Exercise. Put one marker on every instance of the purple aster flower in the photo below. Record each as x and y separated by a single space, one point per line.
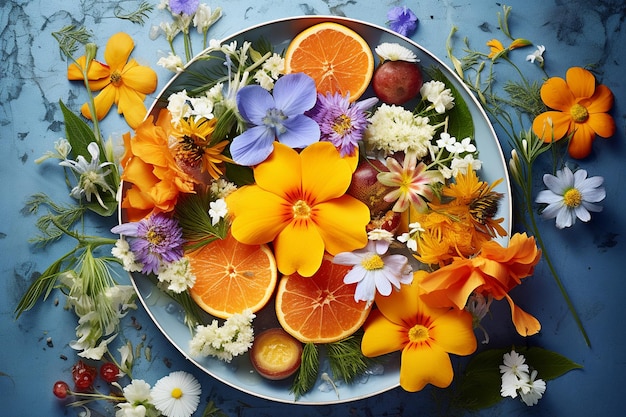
341 123
402 20
278 117
374 271
155 240
187 7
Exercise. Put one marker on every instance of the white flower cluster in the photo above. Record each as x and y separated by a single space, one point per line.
182 106
231 339
177 275
517 378
271 69
440 96
174 395
394 129
461 158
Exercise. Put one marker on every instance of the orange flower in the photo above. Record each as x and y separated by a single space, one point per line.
496 49
495 270
303 213
426 336
123 83
580 109
155 178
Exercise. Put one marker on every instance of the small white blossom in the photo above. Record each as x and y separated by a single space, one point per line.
122 251
380 234
264 80
446 141
177 275
275 66
463 146
217 210
204 17
440 96
395 52
224 342
171 62
463 164
177 394
533 389
62 149
537 55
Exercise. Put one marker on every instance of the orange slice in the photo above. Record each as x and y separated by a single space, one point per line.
232 277
319 309
336 57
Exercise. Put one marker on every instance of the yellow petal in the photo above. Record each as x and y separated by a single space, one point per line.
382 336
341 223
422 364
325 174
118 50
264 222
401 306
130 104
280 173
140 78
299 248
97 71
103 102
454 332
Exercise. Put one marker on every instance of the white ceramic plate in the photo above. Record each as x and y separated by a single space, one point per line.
239 374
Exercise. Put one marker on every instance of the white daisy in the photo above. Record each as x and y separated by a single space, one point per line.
176 395
395 52
533 390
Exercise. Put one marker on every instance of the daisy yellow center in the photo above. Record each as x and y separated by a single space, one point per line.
177 393
342 124
373 262
418 333
301 210
579 113
116 78
572 198
189 151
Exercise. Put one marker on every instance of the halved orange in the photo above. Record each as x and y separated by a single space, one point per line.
321 308
335 56
232 276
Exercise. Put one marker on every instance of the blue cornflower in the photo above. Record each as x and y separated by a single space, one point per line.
402 20
155 241
187 7
341 123
278 117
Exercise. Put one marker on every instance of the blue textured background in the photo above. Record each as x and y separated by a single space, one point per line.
587 256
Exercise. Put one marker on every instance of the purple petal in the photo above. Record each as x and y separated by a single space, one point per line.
253 146
253 102
301 132
295 93
126 229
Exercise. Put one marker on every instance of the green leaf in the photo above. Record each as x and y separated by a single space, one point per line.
549 364
78 133
307 374
460 122
346 360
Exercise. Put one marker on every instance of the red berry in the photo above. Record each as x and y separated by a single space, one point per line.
366 188
109 372
83 375
60 389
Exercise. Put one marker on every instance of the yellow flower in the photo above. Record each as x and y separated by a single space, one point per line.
195 150
497 49
580 109
299 203
123 83
426 336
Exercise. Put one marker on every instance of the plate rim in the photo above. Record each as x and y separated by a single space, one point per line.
313 19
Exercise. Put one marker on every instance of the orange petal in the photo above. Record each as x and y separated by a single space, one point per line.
451 285
400 306
118 50
582 139
140 78
271 174
557 95
299 248
454 332
260 225
382 336
341 223
525 324
552 125
581 82
601 101
602 123
97 70
422 364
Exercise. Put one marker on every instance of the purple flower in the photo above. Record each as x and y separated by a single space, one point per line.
280 117
187 7
341 123
402 20
155 240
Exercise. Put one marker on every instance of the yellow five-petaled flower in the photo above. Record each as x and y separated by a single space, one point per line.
298 202
122 82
